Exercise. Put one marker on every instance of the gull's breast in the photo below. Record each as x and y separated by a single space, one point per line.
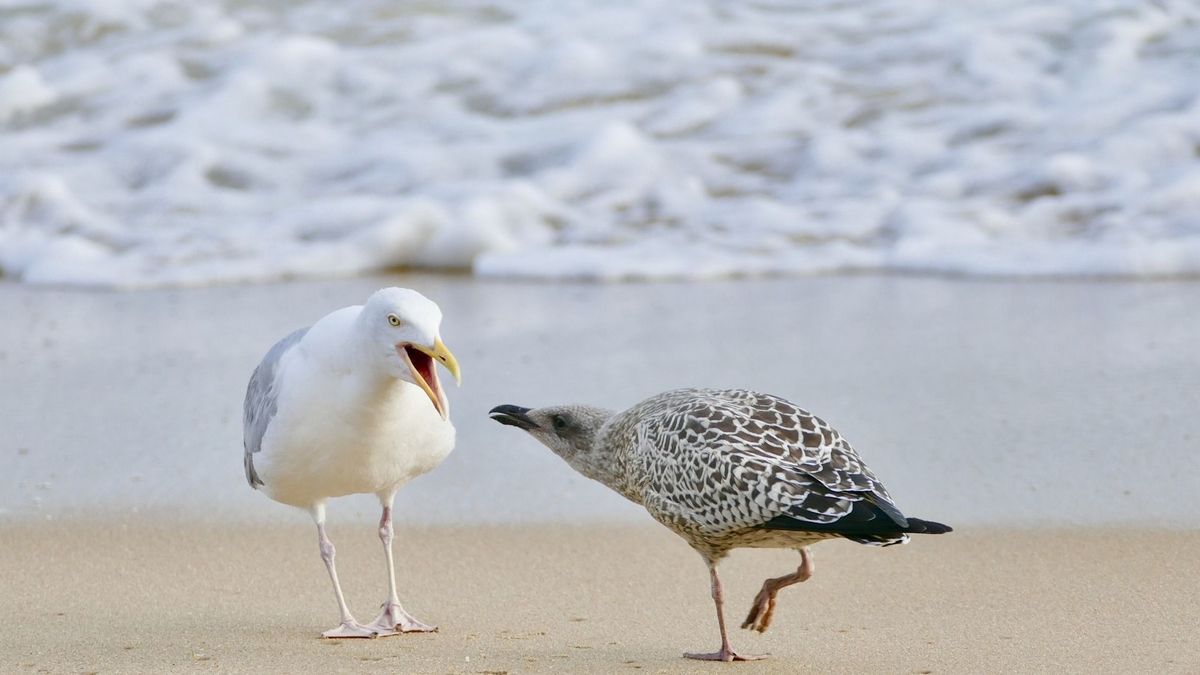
352 444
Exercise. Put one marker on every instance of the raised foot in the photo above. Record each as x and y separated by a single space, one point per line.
724 655
351 629
393 620
759 618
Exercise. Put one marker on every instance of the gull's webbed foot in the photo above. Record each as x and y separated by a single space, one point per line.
726 655
393 620
759 618
351 629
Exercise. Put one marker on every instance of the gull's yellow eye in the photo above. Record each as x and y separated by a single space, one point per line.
393 319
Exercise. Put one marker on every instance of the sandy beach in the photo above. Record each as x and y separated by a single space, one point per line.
1047 421
967 237
152 598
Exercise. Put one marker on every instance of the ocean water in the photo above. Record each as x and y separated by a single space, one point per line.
147 142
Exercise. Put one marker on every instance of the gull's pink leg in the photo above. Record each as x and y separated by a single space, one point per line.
393 619
349 628
726 653
763 609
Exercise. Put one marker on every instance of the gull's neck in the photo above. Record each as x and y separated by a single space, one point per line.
600 463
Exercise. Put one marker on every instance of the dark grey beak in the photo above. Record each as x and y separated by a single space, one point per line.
513 416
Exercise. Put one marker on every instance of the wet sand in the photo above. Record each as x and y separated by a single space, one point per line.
998 403
151 598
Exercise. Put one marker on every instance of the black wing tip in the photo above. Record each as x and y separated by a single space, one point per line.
918 526
874 530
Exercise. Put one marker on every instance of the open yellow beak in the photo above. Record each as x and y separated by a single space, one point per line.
443 356
426 377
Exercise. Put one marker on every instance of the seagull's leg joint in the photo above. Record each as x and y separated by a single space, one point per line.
386 533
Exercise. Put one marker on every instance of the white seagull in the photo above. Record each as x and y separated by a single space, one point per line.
344 407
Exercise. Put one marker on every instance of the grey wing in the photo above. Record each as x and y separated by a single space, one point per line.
260 405
736 459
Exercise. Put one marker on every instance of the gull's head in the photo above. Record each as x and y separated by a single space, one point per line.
405 328
570 431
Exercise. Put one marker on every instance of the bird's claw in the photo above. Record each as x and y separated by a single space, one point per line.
351 629
726 655
761 612
393 620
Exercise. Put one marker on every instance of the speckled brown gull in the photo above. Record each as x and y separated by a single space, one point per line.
727 469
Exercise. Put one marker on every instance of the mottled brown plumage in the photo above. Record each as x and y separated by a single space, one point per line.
716 466
728 469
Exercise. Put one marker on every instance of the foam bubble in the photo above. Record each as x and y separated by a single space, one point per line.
151 143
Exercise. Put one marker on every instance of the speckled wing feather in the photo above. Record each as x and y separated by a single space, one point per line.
714 462
259 407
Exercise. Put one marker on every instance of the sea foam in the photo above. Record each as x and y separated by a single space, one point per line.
145 142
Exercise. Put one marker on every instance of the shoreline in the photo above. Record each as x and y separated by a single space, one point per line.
467 274
969 398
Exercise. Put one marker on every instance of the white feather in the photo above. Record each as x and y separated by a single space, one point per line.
344 423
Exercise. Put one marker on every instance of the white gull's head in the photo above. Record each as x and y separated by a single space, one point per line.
403 328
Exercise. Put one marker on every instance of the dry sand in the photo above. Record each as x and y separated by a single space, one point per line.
146 598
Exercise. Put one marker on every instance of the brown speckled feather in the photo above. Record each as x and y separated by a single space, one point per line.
721 465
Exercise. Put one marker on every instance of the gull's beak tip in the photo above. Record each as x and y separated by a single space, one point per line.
513 416
444 355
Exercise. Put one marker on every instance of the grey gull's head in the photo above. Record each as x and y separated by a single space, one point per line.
570 431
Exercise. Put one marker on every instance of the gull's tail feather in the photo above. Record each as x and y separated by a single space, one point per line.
865 523
918 526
